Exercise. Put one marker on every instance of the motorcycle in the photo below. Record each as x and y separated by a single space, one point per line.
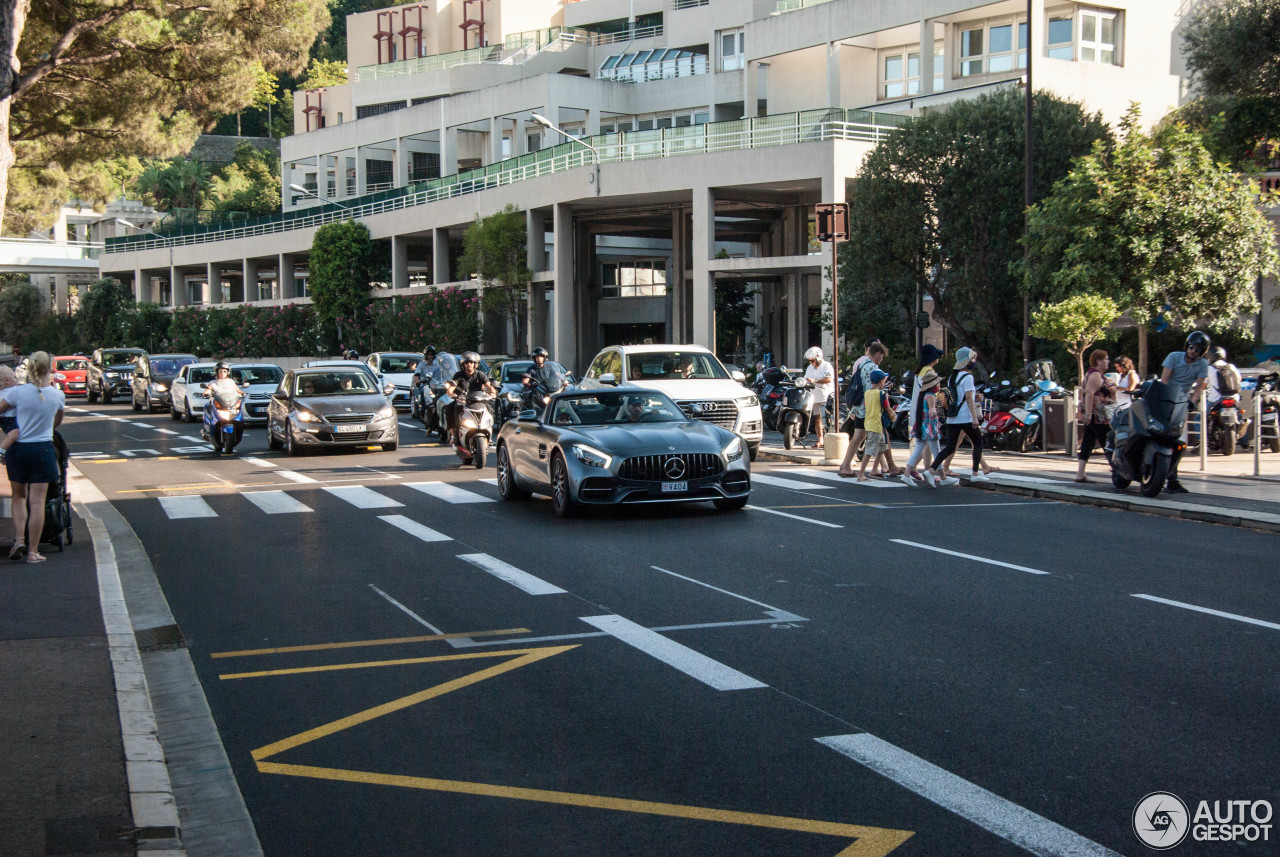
475 428
1145 440
793 410
768 389
223 425
900 403
434 400
554 380
1227 425
1268 387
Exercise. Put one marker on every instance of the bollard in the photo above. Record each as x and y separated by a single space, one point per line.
1257 432
1204 429
834 444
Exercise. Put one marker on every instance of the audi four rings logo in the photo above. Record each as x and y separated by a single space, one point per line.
1160 820
674 468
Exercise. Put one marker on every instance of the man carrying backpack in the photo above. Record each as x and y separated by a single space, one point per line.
962 416
1224 378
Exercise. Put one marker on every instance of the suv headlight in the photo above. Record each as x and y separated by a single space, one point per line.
733 451
158 387
591 456
748 402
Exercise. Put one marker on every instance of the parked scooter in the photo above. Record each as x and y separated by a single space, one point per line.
1227 425
1145 440
223 425
1268 387
768 389
475 428
793 411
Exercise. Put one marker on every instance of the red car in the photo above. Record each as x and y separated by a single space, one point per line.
69 375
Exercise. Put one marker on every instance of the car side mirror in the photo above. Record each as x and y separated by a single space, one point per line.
737 375
244 386
609 378
529 414
388 389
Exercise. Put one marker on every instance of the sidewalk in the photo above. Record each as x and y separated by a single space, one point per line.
81 764
1226 492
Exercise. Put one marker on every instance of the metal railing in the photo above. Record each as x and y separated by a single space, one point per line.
688 4
627 35
663 70
793 5
50 249
436 62
763 132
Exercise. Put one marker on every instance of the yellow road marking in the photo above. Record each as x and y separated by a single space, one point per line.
390 641
396 662
869 841
197 485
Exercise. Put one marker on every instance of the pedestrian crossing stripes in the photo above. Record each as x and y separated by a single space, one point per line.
187 507
276 502
414 529
362 497
448 493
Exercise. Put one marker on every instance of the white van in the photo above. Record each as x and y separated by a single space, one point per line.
690 374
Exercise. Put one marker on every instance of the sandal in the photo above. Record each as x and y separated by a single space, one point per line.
1084 479
36 557
18 551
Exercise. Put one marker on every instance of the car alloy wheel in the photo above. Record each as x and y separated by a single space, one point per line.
507 487
562 502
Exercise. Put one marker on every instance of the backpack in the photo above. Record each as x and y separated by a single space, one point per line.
853 395
1228 380
954 399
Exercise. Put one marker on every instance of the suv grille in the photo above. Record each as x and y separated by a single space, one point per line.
723 414
652 468
348 418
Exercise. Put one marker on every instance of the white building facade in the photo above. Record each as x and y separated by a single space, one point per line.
710 128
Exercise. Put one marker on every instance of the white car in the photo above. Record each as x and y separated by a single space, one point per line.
186 395
263 380
692 375
395 367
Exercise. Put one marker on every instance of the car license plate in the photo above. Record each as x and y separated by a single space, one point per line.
674 487
349 429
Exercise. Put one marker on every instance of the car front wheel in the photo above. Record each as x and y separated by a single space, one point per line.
562 502
272 441
507 487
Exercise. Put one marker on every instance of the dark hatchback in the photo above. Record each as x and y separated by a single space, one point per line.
153 376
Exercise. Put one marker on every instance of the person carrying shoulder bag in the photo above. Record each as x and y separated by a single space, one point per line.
1093 413
32 463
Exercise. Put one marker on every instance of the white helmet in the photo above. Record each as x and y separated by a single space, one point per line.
814 353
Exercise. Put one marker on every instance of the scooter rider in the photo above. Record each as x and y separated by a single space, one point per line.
467 381
1188 372
223 382
1223 375
428 372
537 375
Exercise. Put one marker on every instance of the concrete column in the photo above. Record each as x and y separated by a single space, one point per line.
593 122
178 287
676 287
448 145
1038 41
535 227
400 167
833 74
926 56
284 276
948 56
362 178
750 89
399 262
538 315
213 284
141 288
440 272
703 321
496 126
798 299
250 269
562 299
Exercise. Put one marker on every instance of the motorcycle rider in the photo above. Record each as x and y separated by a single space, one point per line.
222 382
428 372
1224 377
1186 371
537 376
468 380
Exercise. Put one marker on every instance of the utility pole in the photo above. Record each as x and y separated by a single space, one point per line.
1027 197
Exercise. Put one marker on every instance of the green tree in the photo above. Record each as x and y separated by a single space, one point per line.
951 185
345 263
103 319
250 183
324 73
21 308
735 301
94 80
174 183
495 249
1077 322
1158 226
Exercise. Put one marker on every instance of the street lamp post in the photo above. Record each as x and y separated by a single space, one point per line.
547 123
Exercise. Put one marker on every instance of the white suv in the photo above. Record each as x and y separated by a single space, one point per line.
691 375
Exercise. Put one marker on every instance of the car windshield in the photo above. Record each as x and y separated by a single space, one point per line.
200 374
398 364
115 358
169 365
673 365
615 407
513 371
335 383
257 374
72 365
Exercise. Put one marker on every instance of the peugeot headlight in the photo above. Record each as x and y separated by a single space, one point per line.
159 388
306 416
748 402
386 412
591 456
733 451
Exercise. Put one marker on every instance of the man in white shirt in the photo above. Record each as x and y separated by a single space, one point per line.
821 374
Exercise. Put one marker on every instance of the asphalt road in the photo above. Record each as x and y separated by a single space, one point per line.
401 663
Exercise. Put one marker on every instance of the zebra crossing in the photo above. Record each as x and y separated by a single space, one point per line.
281 502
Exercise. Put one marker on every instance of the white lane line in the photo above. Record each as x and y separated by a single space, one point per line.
686 660
192 506
260 462
95 414
790 617
779 482
510 574
362 497
76 410
1005 819
296 477
122 420
969 556
165 431
1210 611
276 502
493 482
143 425
414 529
921 506
448 493
795 517
849 480
423 622
192 439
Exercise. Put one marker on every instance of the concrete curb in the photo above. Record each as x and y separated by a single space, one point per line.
1245 518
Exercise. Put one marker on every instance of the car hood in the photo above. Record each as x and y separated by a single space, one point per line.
325 405
259 389
695 388
653 438
401 378
119 367
163 379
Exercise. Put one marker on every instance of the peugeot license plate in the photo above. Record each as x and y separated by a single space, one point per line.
349 429
674 487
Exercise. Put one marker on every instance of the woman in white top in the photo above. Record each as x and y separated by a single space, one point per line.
1129 381
32 462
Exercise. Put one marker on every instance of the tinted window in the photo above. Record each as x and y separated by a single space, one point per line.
200 374
399 365
72 365
615 408
113 358
257 374
336 383
675 365
169 366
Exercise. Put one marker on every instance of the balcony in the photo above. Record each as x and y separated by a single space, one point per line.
420 65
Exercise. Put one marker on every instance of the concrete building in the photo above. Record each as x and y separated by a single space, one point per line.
707 126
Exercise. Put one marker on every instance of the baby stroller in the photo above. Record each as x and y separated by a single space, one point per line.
57 504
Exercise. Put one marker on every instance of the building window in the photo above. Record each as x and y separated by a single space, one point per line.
639 278
901 70
732 50
1098 31
300 284
987 47
1061 42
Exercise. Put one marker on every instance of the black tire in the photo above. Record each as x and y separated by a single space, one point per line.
93 397
730 504
216 442
1119 481
106 397
507 487
294 450
173 411
1028 437
789 432
390 447
272 441
753 449
1227 440
1274 445
480 451
562 502
1153 479
187 415
133 403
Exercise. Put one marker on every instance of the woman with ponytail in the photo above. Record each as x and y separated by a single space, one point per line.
32 463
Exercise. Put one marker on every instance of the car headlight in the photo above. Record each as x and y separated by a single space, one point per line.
386 413
59 376
733 451
159 388
306 416
748 402
591 456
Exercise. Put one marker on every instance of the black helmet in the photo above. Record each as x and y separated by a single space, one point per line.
1198 340
470 357
429 351
222 364
540 352
1217 353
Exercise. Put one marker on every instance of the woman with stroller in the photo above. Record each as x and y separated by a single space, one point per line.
32 462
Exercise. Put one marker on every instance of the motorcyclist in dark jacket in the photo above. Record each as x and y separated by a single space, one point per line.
537 378
467 381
